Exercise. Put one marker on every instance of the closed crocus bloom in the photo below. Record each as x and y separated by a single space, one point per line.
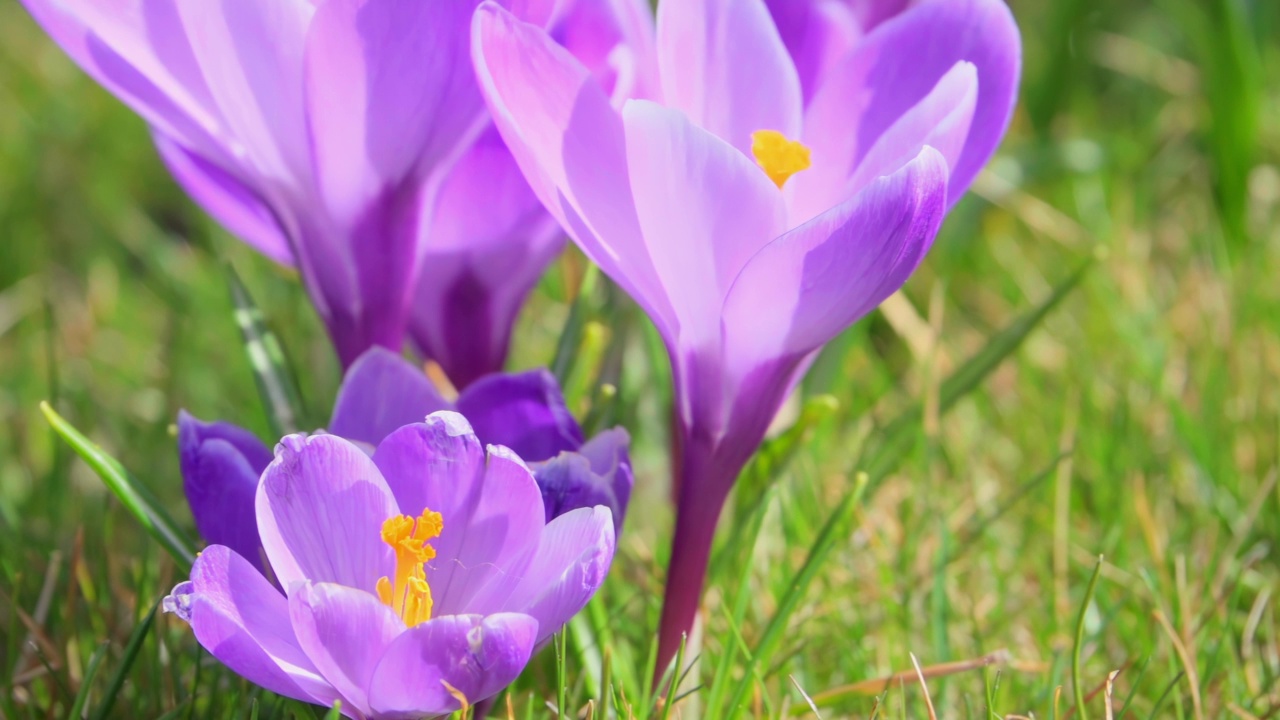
415 579
750 224
525 412
489 239
341 137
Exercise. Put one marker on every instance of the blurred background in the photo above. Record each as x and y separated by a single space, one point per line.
1139 420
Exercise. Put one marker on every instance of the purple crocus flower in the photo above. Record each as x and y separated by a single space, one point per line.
348 138
414 580
752 225
525 412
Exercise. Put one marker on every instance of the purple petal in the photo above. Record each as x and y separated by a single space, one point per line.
473 655
615 40
899 63
490 240
724 65
345 632
704 209
812 283
232 203
320 507
523 411
221 464
817 33
941 120
381 392
569 143
567 484
609 457
570 564
241 619
389 93
250 55
491 505
599 474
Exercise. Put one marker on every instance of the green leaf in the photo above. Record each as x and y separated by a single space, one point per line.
125 487
131 651
271 370
899 436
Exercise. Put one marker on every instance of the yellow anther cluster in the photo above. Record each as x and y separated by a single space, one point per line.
781 158
408 593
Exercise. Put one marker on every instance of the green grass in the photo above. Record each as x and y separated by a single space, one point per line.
1139 420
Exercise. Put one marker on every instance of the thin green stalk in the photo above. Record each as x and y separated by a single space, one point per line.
1076 681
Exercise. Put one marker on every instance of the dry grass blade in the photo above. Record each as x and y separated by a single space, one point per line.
1188 665
876 686
812 706
1110 685
928 701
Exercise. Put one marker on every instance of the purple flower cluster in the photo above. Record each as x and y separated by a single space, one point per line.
757 175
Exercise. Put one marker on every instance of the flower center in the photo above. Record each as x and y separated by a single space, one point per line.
781 158
407 592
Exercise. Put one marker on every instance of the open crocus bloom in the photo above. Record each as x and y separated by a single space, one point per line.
414 580
525 412
347 138
750 224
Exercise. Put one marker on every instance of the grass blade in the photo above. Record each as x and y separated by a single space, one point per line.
125 487
571 336
1077 685
131 651
899 435
82 697
796 590
271 370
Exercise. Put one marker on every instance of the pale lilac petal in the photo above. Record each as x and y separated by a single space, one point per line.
523 411
812 283
724 65
489 241
241 619
490 503
569 143
320 507
232 203
817 33
474 655
344 631
897 66
389 93
570 564
615 40
941 120
221 464
250 54
704 209
381 392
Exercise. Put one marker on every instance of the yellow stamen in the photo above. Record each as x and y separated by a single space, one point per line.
407 592
781 158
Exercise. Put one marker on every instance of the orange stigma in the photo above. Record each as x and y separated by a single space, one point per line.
407 592
781 158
